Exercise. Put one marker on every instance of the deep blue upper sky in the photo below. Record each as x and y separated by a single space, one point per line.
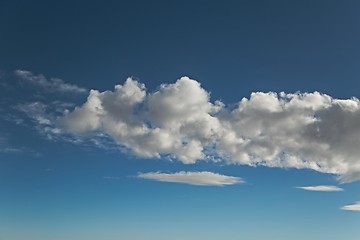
254 45
54 189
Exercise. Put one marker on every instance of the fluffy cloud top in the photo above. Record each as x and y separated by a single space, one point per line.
193 178
299 130
352 207
51 85
322 188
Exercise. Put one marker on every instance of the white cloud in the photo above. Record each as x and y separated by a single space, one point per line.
322 188
352 207
299 130
193 178
51 85
179 114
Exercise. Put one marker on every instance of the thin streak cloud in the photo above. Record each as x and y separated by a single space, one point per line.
193 178
352 207
322 188
50 85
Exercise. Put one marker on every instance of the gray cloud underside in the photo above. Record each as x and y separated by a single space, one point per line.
322 188
193 178
299 130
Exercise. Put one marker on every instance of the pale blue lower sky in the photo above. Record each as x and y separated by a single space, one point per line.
74 201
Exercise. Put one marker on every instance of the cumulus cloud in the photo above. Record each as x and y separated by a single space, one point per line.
193 178
285 130
322 188
174 121
51 85
351 207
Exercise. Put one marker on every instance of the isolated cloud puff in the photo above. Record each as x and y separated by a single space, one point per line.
193 178
296 130
6 148
322 188
51 85
352 207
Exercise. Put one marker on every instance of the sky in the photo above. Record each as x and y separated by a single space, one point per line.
197 120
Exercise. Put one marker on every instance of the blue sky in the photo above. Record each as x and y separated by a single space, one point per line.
179 120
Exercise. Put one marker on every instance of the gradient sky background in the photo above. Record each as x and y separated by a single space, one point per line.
55 188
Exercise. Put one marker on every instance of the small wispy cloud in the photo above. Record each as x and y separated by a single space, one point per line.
51 84
5 148
9 150
193 178
111 178
352 207
322 188
43 117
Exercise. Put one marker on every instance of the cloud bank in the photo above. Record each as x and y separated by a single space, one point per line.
352 207
296 130
322 188
193 178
